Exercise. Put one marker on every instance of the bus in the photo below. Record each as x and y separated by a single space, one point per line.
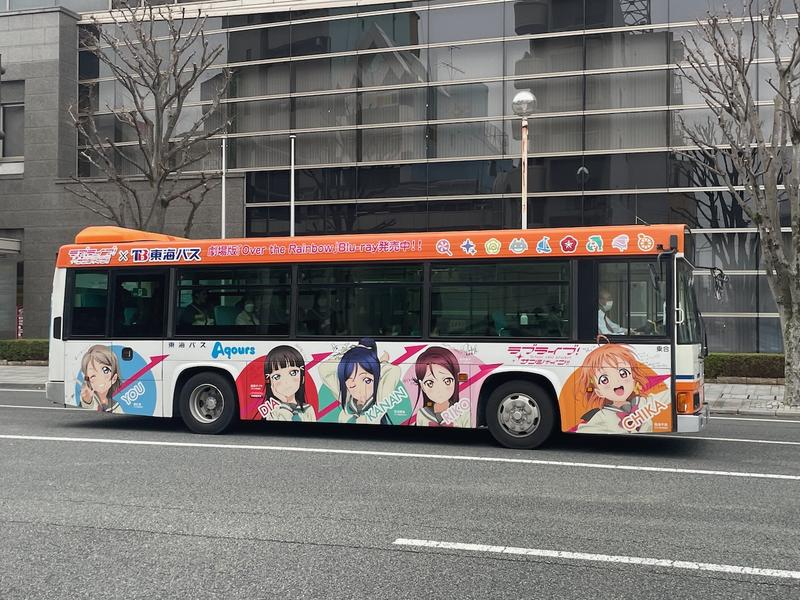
592 330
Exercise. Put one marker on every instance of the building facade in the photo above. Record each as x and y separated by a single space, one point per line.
403 122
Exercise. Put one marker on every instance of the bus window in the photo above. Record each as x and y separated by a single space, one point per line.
87 306
519 299
138 306
352 300
631 298
242 302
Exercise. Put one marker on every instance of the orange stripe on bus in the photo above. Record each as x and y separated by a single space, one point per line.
115 246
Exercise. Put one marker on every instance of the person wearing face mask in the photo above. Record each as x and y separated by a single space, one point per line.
248 315
604 323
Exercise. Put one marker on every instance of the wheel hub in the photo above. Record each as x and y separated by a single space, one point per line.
519 415
206 403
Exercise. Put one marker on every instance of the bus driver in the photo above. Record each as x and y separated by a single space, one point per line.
604 323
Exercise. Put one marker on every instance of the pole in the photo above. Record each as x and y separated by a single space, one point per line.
291 187
524 173
224 173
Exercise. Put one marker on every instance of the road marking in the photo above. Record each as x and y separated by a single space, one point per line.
787 421
21 390
459 457
43 407
723 439
665 437
610 558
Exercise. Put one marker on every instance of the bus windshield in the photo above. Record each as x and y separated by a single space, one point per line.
689 324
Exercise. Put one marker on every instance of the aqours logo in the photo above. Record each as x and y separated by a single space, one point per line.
229 351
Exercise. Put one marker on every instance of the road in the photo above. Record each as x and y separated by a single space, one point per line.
108 506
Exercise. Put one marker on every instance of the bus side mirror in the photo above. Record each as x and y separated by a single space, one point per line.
720 280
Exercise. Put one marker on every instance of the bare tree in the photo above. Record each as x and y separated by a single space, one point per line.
765 153
157 77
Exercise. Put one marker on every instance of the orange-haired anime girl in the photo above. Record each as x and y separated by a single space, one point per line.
610 386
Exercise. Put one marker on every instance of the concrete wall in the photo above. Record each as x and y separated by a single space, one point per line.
40 47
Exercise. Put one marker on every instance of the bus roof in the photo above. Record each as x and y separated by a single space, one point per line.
117 246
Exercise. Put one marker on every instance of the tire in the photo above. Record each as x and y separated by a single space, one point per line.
520 414
208 403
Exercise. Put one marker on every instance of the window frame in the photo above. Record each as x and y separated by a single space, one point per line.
571 312
115 276
69 296
424 283
14 157
175 290
667 259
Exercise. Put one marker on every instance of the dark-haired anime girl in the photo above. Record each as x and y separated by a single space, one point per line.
360 380
285 386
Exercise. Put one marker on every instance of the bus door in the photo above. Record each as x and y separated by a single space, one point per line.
689 342
624 383
138 323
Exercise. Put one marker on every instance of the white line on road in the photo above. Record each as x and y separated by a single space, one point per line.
610 558
459 457
666 437
723 439
42 407
21 390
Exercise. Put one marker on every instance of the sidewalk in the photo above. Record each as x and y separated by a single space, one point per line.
22 378
722 398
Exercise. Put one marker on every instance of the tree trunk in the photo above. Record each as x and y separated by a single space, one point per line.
790 323
158 219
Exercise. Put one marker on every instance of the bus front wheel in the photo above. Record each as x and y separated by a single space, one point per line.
207 403
520 414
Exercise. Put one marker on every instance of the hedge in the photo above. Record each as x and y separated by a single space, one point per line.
23 349
744 365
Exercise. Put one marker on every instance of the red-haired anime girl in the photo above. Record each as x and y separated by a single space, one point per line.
436 376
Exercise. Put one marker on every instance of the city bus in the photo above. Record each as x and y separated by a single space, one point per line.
592 330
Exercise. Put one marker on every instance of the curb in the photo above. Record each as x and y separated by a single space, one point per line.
22 386
23 363
788 414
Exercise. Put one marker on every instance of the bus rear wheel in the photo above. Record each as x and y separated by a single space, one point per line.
207 403
520 414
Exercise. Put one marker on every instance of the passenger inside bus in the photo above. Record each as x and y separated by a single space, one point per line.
316 318
248 314
198 312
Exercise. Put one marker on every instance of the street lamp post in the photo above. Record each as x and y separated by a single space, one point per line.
524 104
292 139
224 174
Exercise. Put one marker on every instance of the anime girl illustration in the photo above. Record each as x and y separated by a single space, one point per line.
436 376
361 380
285 386
101 379
611 387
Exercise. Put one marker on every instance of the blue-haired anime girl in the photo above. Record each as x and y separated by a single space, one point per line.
361 380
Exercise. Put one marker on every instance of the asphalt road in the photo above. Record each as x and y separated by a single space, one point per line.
107 506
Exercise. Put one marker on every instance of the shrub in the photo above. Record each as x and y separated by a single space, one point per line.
744 365
23 350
